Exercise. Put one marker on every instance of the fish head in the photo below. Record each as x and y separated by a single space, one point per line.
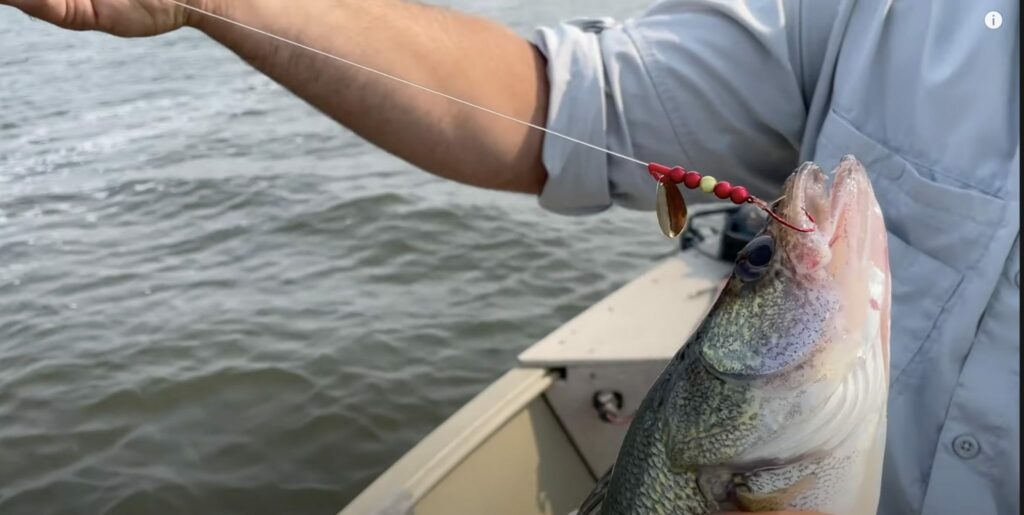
795 295
798 339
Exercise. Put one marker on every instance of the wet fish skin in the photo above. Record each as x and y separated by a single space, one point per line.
777 401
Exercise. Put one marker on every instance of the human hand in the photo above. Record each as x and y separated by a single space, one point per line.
126 18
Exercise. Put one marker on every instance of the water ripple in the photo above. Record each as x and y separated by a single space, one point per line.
215 300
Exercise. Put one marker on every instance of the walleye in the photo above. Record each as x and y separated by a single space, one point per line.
778 399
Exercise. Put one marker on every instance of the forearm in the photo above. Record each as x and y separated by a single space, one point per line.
463 56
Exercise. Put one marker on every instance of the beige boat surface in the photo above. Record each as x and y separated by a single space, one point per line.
531 442
502 453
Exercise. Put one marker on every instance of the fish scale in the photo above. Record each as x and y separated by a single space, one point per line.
648 485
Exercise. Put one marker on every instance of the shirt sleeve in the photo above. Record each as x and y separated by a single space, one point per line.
713 86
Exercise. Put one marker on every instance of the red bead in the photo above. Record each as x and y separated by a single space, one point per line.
739 195
676 174
691 179
723 189
656 168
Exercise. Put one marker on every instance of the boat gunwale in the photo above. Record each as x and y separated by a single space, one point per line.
419 470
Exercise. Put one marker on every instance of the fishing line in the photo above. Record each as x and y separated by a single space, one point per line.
409 83
661 173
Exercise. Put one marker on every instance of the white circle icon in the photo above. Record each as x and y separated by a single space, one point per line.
993 20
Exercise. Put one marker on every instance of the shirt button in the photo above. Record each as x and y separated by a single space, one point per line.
966 446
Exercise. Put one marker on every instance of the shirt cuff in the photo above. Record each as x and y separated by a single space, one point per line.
577 182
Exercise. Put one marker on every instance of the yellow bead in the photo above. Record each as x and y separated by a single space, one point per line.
707 184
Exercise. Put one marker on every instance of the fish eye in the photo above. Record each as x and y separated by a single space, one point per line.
753 260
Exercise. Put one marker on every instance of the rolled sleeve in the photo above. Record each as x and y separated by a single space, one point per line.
713 86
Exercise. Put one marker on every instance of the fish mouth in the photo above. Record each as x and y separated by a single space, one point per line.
856 227
805 200
840 213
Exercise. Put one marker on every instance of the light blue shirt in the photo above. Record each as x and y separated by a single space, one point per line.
926 96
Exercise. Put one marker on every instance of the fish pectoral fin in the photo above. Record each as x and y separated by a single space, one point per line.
775 500
592 504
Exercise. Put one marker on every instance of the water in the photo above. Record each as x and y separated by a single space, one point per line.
215 300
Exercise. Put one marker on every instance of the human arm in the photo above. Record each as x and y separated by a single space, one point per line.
461 55
722 87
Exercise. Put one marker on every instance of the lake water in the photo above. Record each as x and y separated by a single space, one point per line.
215 300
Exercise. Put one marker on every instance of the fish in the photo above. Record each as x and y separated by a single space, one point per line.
777 401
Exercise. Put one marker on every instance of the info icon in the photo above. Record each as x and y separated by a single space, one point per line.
993 20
